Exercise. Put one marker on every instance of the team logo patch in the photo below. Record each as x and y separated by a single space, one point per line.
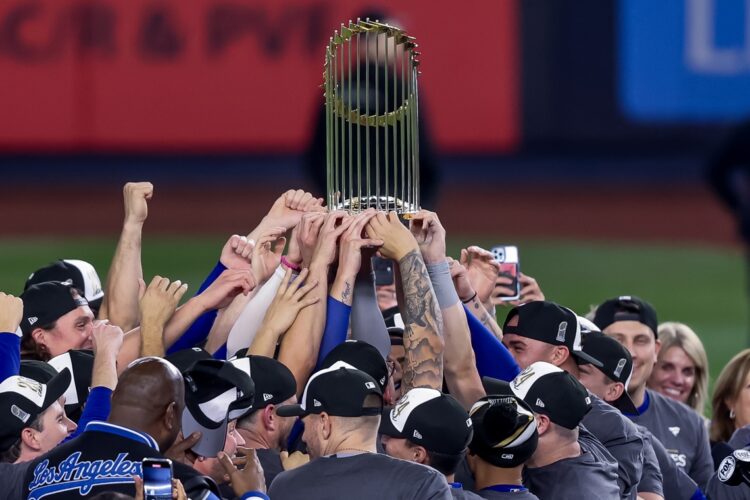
19 414
507 456
620 367
523 377
561 331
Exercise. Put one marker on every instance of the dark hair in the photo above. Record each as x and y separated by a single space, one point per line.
11 454
444 463
30 349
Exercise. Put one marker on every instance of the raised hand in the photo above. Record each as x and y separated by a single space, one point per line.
482 270
250 477
267 253
430 235
352 251
160 300
136 195
460 277
290 206
227 286
397 239
305 236
180 449
530 290
334 226
290 299
237 252
11 312
107 338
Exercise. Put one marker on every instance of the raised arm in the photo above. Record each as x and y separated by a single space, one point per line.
125 272
299 348
157 306
423 322
11 313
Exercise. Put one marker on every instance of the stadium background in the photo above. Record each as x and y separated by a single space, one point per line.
578 130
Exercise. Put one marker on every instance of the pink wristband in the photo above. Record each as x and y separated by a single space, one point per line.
286 263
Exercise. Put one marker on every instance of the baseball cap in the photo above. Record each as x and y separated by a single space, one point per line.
505 433
214 389
429 418
184 359
362 356
339 390
81 366
23 399
626 308
44 303
274 382
548 390
394 323
617 364
549 323
80 273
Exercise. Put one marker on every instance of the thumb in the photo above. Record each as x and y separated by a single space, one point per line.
141 288
226 463
284 455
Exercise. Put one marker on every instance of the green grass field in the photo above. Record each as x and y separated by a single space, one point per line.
703 287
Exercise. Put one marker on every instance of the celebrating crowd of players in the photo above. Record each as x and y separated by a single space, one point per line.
329 355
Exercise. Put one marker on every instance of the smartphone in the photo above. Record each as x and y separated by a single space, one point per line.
157 478
383 271
507 256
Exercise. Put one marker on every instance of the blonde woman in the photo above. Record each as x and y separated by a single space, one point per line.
681 370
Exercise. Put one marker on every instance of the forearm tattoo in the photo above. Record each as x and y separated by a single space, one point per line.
346 295
423 326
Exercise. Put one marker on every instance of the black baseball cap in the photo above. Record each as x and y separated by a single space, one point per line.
362 356
617 364
79 273
548 390
549 323
213 390
184 359
23 399
44 303
339 390
274 382
431 419
80 362
394 323
626 308
505 433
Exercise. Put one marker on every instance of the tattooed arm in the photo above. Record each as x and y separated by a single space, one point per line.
423 323
488 320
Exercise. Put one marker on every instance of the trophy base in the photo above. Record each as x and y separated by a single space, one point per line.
381 203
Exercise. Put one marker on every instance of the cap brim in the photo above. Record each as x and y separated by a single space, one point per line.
585 359
291 411
625 404
57 387
386 426
496 386
212 439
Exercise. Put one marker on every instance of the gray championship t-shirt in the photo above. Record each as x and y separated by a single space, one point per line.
621 439
270 460
574 478
367 476
459 493
676 484
12 477
682 432
651 477
515 494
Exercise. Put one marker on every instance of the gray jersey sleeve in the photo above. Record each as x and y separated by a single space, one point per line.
651 478
676 484
702 467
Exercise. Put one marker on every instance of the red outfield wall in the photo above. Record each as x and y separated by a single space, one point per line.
218 75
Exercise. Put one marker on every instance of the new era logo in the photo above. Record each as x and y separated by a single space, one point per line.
417 434
33 320
267 396
316 402
539 403
674 430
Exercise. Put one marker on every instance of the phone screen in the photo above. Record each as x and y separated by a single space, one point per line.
157 480
510 270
